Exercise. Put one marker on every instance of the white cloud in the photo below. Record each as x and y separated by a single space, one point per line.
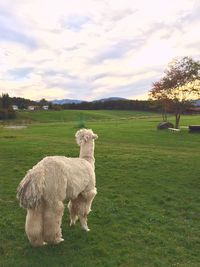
92 49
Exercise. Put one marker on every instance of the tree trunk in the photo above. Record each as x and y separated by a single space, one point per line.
178 112
178 115
164 113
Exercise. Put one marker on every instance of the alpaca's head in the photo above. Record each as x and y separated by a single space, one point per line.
85 135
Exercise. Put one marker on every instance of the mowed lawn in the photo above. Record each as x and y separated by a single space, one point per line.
147 210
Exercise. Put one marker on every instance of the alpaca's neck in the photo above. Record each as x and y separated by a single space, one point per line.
87 153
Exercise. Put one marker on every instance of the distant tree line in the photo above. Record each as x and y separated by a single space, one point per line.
141 105
7 112
22 103
114 105
155 105
6 105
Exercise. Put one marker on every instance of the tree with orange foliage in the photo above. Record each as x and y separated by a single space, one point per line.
179 86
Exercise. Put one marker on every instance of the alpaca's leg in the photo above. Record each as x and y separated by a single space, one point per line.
89 196
77 209
83 221
85 207
84 202
34 226
81 207
73 212
52 222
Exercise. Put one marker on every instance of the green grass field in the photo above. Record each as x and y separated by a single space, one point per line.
147 210
76 115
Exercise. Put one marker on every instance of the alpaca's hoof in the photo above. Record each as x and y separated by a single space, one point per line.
38 244
59 240
86 229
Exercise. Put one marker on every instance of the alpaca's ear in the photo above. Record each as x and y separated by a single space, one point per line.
79 137
95 136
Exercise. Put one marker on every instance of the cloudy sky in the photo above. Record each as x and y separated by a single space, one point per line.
91 49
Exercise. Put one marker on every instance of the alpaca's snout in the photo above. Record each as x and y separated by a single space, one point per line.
95 136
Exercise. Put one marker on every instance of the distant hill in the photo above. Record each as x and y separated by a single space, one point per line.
75 101
66 101
109 99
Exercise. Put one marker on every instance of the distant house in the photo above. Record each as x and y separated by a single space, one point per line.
31 108
15 107
45 107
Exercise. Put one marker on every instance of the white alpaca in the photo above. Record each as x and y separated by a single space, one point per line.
50 182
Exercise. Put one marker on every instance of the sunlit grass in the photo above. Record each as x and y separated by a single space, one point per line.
146 212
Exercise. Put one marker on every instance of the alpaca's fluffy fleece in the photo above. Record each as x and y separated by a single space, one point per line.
49 182
55 178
